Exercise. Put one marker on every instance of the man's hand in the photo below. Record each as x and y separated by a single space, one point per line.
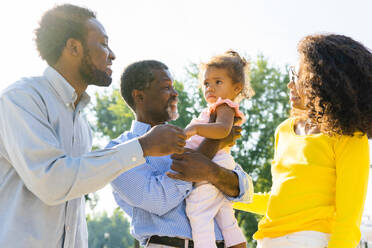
192 166
231 138
233 135
163 140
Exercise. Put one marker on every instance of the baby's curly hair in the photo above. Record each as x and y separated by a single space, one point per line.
237 68
336 74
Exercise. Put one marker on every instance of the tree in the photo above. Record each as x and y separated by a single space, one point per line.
109 232
113 116
264 112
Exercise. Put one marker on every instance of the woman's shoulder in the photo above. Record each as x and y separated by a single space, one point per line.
285 125
357 138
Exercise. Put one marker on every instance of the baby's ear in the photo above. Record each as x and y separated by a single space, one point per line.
238 87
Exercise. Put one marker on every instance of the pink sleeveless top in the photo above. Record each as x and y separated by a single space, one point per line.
195 140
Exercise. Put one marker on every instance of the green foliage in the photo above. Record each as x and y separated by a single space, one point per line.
254 151
109 232
113 115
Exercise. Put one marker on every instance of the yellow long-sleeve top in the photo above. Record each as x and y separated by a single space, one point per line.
319 184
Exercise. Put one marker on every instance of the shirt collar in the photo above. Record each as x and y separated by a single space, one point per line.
139 128
64 89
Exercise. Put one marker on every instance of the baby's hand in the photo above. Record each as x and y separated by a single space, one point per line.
190 131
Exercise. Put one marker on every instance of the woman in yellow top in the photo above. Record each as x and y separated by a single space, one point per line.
321 161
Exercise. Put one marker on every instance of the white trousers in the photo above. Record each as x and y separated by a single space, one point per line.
304 239
206 203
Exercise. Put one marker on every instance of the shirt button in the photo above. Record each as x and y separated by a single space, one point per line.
134 159
67 228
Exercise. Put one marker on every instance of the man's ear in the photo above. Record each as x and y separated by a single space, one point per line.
138 96
74 47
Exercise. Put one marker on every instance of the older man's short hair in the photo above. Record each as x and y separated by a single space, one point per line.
138 76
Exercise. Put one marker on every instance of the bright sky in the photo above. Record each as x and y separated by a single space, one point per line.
178 32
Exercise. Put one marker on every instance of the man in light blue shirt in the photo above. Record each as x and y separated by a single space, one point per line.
46 165
147 193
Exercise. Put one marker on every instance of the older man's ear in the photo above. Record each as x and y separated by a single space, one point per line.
137 96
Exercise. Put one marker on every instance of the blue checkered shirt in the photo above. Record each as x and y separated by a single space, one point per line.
155 202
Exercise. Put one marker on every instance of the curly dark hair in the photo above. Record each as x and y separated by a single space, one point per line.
56 26
237 68
336 74
138 76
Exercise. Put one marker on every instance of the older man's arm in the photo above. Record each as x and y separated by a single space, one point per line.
196 166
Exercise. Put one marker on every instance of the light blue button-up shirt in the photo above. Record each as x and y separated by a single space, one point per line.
46 165
155 202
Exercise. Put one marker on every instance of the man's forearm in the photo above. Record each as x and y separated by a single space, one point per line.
225 180
209 147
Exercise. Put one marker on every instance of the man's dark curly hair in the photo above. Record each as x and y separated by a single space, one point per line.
57 25
336 74
138 76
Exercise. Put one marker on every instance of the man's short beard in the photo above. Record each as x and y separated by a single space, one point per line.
173 115
90 74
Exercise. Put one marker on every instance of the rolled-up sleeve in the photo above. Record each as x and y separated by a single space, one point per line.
32 146
245 186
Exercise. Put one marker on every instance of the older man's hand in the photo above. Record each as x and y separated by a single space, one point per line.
163 140
231 138
192 166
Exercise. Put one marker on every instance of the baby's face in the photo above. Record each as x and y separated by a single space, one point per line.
217 83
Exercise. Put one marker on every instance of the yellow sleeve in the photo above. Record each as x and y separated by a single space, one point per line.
260 200
258 205
352 169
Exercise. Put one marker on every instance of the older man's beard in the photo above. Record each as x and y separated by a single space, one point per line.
91 74
173 114
172 111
